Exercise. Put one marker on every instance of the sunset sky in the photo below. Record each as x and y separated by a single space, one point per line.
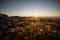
30 7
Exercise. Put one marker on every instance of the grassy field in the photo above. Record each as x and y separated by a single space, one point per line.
29 28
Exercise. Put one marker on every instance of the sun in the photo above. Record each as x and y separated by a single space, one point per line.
36 15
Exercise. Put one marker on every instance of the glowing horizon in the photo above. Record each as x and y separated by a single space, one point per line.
33 15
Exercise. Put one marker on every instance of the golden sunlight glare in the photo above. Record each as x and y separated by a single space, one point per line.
36 15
